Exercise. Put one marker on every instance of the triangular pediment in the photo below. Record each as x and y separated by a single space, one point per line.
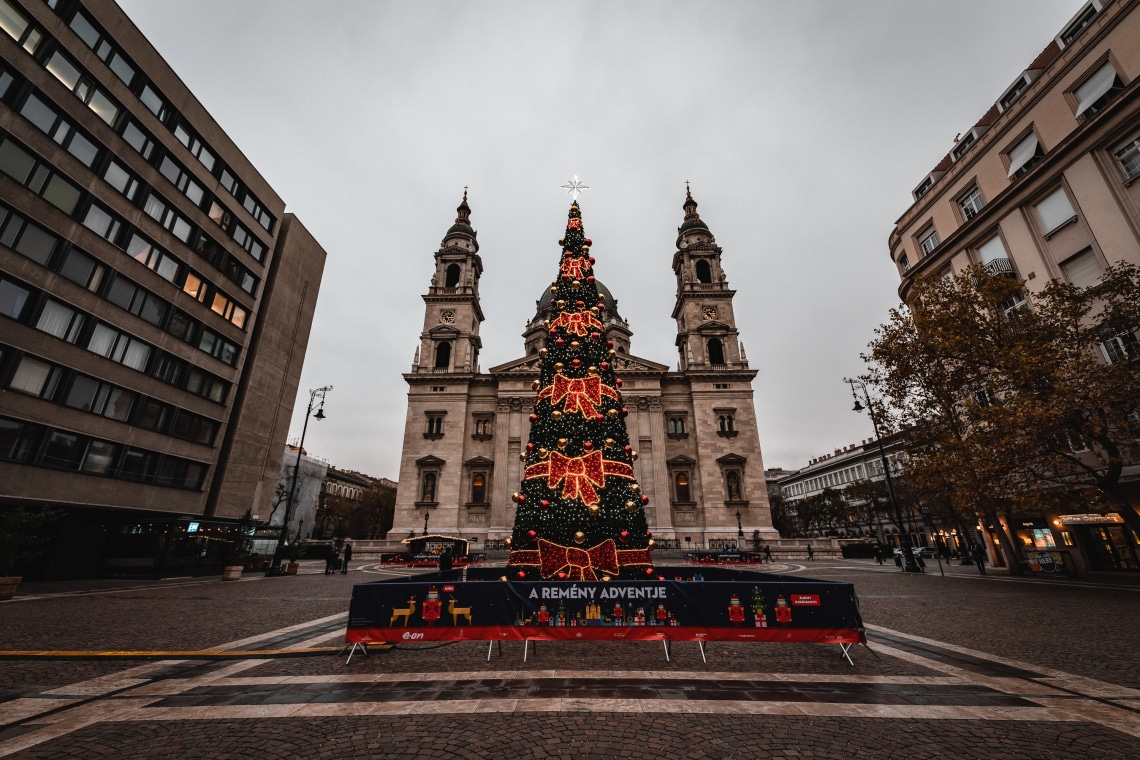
624 363
430 461
731 459
443 332
713 327
527 365
680 461
479 462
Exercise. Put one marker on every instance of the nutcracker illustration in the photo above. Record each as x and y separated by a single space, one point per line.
432 606
619 614
735 610
783 611
543 615
662 615
640 620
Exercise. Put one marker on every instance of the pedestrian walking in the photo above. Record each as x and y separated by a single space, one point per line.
979 555
898 559
347 557
811 553
877 553
332 561
918 561
767 553
445 561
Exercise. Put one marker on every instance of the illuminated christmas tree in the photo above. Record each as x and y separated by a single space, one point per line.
580 511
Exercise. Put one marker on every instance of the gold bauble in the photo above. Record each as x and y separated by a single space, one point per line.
542 352
585 249
630 505
575 345
561 241
592 370
561 304
508 542
561 443
515 497
606 578
610 443
576 284
543 453
522 457
594 310
536 385
595 509
558 366
579 537
635 488
612 352
652 543
553 290
502 577
633 455
556 415
613 413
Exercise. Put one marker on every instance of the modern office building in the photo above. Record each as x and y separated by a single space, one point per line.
1045 186
155 298
695 428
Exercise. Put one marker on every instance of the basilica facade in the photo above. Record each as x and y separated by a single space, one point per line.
694 428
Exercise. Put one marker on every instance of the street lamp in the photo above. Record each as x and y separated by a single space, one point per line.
904 536
283 540
739 527
426 516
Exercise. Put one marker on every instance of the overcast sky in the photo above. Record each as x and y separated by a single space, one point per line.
803 126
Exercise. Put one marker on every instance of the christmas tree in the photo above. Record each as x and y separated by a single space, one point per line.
580 511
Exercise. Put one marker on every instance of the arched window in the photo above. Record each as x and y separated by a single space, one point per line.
716 351
451 279
704 272
682 482
478 488
443 356
428 493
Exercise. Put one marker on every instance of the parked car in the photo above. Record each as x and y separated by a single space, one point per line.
927 552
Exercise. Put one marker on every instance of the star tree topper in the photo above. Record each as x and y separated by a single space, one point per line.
575 187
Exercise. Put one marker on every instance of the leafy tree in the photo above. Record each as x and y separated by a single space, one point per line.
1003 408
22 535
867 502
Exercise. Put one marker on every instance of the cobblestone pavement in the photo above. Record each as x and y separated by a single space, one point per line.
963 666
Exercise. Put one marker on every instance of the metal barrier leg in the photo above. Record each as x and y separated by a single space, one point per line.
846 649
704 659
526 646
666 643
363 648
489 645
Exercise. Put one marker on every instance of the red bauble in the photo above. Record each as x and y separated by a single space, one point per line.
522 498
649 571
576 363
605 365
521 575
552 302
595 336
624 536
589 242
627 448
544 503
618 382
560 342
591 259
624 412
644 499
567 254
533 534
609 344
587 445
566 278
580 304
530 447
649 534
553 331
562 576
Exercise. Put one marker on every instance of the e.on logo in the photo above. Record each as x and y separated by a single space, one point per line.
409 636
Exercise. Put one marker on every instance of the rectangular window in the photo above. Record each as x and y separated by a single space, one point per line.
971 203
121 179
103 46
19 440
61 321
1128 158
35 377
1024 155
154 102
928 241
59 129
18 27
196 147
26 238
138 138
38 177
963 145
83 87
1054 210
100 457
1096 91
1073 30
904 262
102 223
153 415
63 450
1082 270
1013 93
1120 347
13 299
992 250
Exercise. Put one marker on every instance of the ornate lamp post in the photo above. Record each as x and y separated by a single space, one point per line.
283 540
426 516
739 526
904 536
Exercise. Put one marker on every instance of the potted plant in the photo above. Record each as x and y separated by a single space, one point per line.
21 539
233 560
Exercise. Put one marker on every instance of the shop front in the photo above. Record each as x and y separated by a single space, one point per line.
1108 543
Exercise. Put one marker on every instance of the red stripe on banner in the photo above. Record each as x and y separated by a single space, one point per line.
605 633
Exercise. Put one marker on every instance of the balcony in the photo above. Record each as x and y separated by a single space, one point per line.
999 267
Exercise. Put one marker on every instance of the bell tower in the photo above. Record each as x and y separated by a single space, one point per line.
449 342
707 338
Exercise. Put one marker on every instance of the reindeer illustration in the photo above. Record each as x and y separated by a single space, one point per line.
457 611
405 613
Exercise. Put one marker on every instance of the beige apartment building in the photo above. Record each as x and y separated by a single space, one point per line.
695 428
1046 186
155 299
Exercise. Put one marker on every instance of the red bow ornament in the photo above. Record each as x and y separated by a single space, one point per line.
581 474
579 564
582 394
579 323
576 267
